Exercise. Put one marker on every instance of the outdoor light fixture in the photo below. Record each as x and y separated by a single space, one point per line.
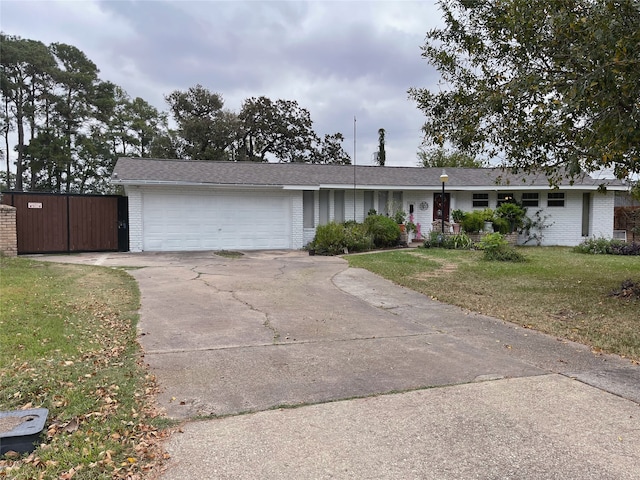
444 178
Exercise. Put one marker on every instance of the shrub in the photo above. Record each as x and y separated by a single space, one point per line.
457 215
356 237
473 221
492 241
384 231
625 248
458 241
594 246
329 240
496 248
501 225
606 246
435 239
399 217
513 214
333 238
487 215
535 227
504 254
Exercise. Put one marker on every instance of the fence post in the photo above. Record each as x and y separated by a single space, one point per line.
8 233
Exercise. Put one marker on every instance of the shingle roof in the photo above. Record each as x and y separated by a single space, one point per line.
147 170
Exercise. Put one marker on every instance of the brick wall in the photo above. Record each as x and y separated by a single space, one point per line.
8 234
297 230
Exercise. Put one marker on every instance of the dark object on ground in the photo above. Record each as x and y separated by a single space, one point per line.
21 429
628 289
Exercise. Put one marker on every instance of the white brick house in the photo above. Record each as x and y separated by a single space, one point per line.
197 205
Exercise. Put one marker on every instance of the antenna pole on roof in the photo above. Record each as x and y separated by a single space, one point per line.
354 168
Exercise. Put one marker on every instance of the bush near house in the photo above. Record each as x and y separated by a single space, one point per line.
334 238
473 222
377 231
606 246
457 241
510 216
495 247
384 231
507 218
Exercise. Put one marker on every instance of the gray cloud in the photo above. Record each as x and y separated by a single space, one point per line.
337 59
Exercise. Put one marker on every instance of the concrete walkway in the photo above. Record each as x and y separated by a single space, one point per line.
340 374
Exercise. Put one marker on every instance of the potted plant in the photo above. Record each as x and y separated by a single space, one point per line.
513 214
487 215
400 217
457 216
410 228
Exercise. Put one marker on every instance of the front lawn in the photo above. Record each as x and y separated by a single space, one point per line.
556 291
68 343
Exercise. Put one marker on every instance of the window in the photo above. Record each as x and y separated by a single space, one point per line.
586 214
503 198
480 200
555 199
530 199
308 209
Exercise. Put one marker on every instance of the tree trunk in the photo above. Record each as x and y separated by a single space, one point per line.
6 143
20 146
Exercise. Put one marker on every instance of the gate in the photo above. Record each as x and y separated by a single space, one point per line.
628 219
55 223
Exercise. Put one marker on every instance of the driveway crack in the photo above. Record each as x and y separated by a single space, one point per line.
267 321
274 330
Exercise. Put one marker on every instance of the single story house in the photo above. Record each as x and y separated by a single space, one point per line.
199 205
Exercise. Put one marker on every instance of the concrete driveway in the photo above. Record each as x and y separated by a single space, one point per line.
362 358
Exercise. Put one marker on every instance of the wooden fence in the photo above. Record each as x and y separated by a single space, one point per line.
54 223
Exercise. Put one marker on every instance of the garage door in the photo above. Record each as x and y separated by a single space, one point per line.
215 221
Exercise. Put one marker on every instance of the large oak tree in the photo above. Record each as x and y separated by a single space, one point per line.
551 85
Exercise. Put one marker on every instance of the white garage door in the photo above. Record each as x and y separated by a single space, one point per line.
215 221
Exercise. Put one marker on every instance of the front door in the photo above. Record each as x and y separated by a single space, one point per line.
438 206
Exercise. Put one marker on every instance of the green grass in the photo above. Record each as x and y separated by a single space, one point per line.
68 344
556 291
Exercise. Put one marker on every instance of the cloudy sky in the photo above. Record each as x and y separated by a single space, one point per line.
337 59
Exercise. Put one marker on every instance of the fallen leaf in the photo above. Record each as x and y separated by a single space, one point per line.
71 427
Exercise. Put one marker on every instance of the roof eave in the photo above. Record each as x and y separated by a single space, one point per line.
178 183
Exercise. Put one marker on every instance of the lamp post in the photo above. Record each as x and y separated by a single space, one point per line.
444 178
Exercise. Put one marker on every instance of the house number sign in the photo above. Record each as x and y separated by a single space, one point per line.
34 205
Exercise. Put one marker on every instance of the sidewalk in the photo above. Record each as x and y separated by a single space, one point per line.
534 428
